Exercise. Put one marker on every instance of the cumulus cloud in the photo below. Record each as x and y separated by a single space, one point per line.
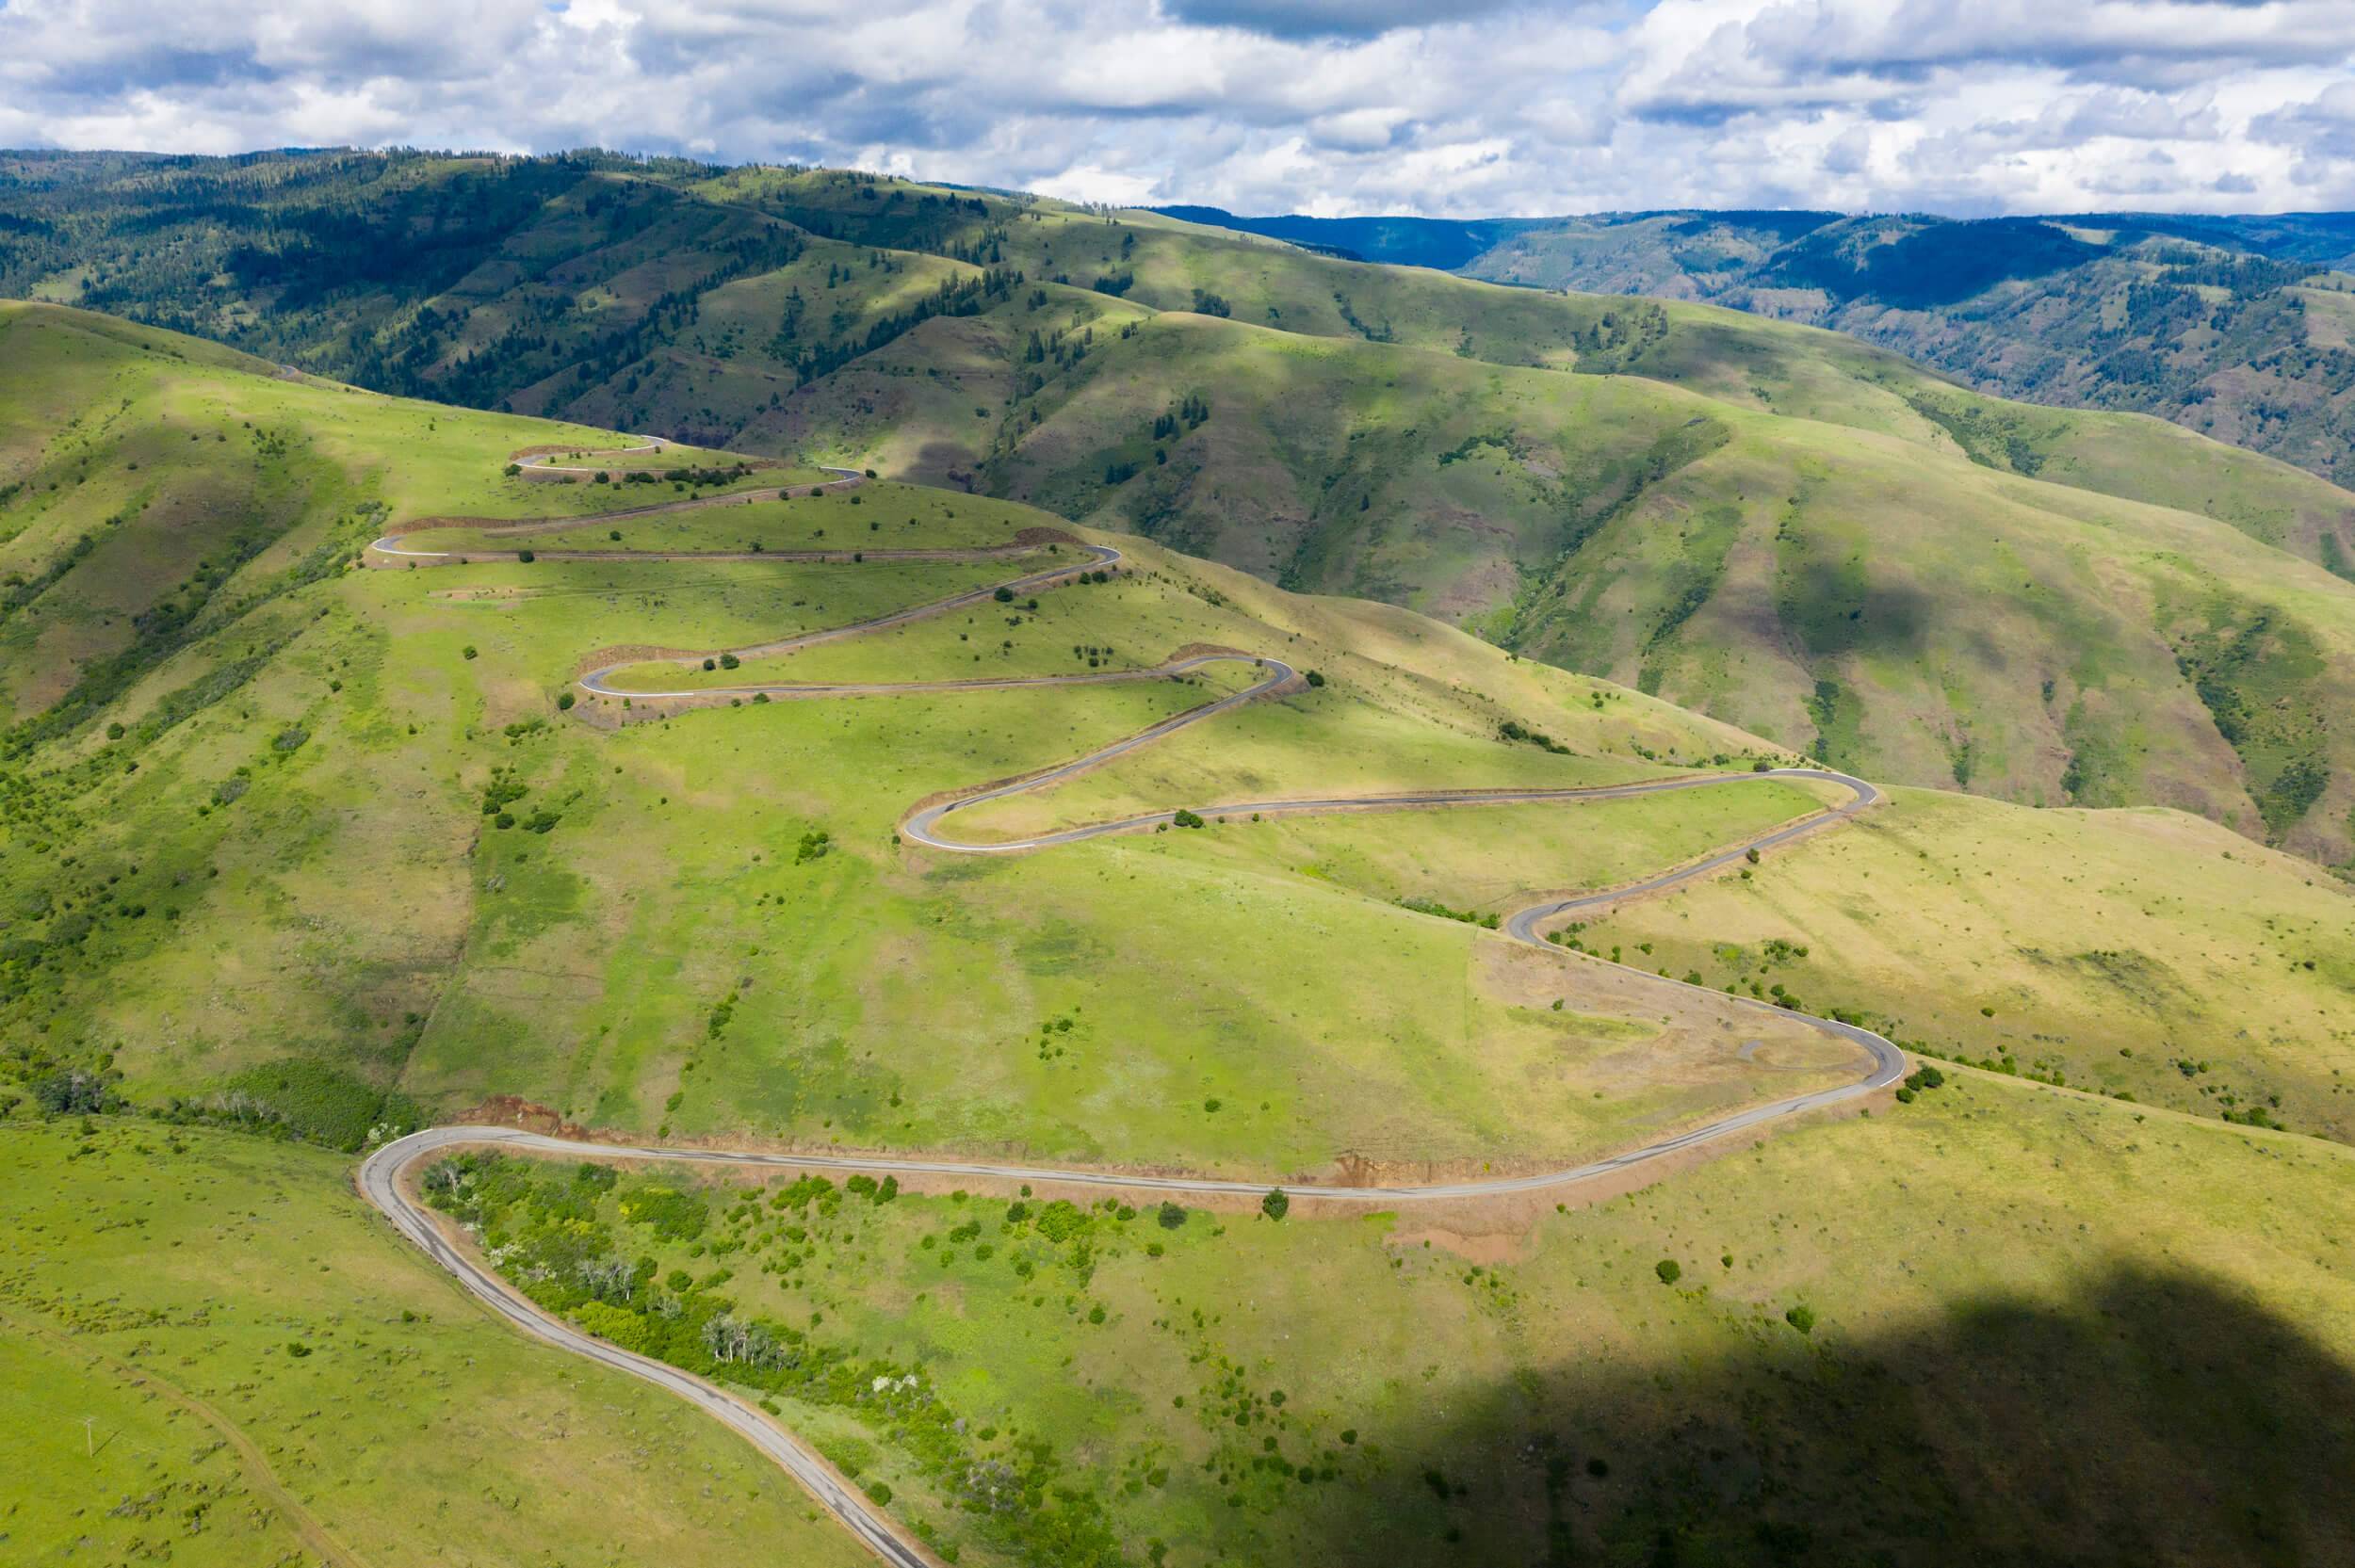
1454 107
1330 18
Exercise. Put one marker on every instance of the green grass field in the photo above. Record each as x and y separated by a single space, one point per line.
1856 591
703 922
1808 537
887 517
300 847
2054 1308
216 1354
2145 953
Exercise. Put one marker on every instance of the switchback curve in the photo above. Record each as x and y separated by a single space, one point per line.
924 825
380 1177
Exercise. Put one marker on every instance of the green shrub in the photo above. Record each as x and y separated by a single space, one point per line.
1801 1317
1669 1269
312 1101
672 1213
1275 1205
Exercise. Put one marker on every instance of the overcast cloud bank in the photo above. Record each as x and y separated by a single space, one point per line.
1479 108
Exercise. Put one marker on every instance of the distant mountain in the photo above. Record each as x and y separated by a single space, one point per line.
2242 328
1439 242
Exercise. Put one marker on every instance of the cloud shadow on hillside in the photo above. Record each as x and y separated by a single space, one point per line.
2154 1418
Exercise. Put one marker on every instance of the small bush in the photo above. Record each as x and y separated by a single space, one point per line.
1802 1319
1275 1205
314 1102
1669 1269
563 702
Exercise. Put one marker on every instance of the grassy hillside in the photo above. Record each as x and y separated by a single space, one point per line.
340 846
1502 457
2231 327
270 1376
1833 588
702 921
2057 1312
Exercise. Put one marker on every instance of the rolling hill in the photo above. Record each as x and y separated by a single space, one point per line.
2233 326
245 728
315 832
1803 534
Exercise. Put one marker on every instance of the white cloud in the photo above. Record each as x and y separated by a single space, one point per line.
1467 108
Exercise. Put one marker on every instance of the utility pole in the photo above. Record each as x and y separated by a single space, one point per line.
89 1442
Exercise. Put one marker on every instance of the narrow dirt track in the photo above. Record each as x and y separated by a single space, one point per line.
321 1542
380 1177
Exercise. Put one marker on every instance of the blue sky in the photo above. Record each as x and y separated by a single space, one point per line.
1482 106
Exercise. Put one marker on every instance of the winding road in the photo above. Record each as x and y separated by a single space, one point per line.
380 1177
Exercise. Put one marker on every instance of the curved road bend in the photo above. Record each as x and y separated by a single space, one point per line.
380 1175
380 1183
1091 558
844 478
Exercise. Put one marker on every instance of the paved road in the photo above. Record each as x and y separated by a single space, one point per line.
380 1183
380 1175
1092 557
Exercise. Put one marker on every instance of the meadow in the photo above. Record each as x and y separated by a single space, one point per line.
702 923
218 1354
2050 1307
305 843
